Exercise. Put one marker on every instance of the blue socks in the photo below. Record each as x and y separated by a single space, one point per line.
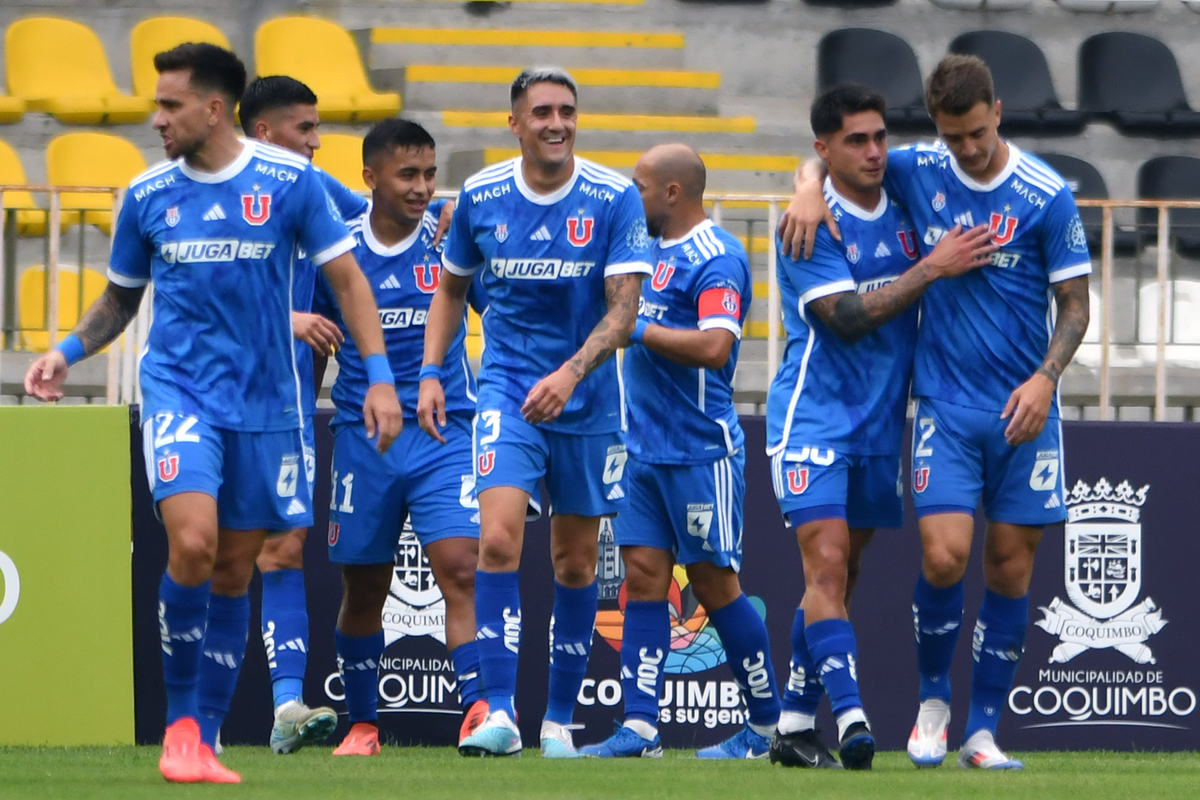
937 618
285 632
182 617
498 621
804 690
358 661
465 659
224 648
996 647
748 649
571 627
644 646
834 650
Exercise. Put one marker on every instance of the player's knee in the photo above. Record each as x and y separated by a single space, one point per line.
574 569
944 566
285 551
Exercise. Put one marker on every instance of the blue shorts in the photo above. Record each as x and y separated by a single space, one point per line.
259 480
584 473
960 453
309 439
418 478
695 511
817 483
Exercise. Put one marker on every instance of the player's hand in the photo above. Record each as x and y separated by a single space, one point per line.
46 375
382 415
431 408
803 215
961 251
443 222
319 333
1028 405
549 396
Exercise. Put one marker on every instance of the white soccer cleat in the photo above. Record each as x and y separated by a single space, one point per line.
297 725
496 736
980 752
557 741
927 742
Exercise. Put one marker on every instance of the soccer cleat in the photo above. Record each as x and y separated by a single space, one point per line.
180 761
213 771
362 740
473 718
802 749
557 741
927 742
625 743
744 744
857 747
497 735
980 752
297 725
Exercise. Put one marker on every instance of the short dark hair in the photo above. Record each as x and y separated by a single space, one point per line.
213 68
269 93
532 75
392 134
957 84
830 109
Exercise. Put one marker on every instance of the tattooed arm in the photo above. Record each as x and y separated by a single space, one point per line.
549 396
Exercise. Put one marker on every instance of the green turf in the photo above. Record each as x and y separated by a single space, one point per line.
436 773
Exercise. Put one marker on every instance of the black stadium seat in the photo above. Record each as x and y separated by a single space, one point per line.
1171 178
882 61
1134 80
1086 182
1022 77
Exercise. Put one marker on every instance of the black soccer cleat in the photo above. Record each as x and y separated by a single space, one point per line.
857 747
802 749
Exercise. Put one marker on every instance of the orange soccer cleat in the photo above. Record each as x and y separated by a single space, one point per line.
180 761
214 771
473 718
362 740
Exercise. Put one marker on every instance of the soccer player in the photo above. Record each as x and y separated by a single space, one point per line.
430 483
836 408
562 244
686 459
988 359
222 416
283 111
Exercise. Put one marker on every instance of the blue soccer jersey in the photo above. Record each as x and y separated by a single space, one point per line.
221 249
403 277
544 259
985 333
679 414
827 393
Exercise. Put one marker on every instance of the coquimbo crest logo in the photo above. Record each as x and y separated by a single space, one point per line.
1105 627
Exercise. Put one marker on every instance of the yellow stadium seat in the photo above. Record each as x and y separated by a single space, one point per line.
474 345
59 67
340 155
11 108
30 220
474 323
31 313
152 36
91 159
324 56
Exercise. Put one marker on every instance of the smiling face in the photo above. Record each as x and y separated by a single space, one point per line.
184 117
402 182
856 154
543 120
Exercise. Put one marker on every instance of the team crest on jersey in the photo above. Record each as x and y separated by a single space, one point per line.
908 243
486 462
852 254
662 275
501 232
920 479
172 217
938 202
335 532
427 276
168 468
579 230
797 480
1002 227
256 208
730 303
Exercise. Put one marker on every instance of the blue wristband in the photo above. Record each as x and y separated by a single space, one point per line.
639 330
71 348
378 369
429 371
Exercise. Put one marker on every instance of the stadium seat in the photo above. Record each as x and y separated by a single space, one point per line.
1086 182
1134 80
324 56
1171 178
58 66
73 300
11 108
152 36
340 155
1194 5
1109 6
31 221
882 61
1023 84
983 5
91 159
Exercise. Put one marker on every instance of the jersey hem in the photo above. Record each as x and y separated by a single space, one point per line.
1066 273
837 287
627 268
710 323
333 251
125 281
455 269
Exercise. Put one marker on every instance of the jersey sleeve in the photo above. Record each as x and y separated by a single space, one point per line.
460 252
1064 240
132 254
322 231
826 273
629 241
718 295
349 203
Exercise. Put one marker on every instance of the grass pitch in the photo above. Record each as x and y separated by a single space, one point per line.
436 773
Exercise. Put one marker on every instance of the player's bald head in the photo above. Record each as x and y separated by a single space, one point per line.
677 163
